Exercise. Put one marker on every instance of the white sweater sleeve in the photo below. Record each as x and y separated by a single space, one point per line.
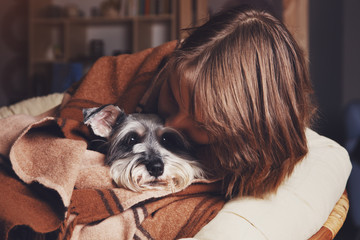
298 209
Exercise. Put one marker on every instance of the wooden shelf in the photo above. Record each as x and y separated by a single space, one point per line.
47 61
57 41
85 20
61 40
91 20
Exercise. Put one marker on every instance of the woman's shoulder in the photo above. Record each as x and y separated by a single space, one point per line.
316 140
327 153
303 201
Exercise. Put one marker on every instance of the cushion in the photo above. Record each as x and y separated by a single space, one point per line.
32 106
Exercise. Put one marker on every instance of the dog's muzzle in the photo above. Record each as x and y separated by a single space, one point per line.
155 166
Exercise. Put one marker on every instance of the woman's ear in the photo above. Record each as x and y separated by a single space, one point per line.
103 119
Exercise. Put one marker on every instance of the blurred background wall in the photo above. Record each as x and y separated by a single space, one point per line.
334 60
13 51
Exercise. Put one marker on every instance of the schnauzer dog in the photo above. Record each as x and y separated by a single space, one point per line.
141 152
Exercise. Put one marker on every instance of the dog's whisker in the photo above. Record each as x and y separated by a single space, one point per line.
98 140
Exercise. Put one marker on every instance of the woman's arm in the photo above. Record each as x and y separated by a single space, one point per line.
299 208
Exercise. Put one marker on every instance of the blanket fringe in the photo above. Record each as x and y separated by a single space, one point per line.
66 229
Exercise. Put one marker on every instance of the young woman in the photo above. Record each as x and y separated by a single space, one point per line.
239 88
239 84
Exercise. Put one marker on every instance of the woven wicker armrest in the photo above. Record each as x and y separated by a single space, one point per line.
335 220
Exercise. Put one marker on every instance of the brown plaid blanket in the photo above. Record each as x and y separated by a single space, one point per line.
53 187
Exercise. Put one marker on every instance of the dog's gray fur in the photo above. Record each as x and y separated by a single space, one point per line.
142 153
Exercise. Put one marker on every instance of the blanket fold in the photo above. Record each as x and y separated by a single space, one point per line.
159 217
42 142
52 185
121 80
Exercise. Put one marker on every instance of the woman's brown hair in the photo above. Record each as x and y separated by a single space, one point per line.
249 86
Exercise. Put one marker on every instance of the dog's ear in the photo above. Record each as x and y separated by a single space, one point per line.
103 119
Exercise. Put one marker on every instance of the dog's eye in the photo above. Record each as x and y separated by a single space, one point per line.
132 139
172 142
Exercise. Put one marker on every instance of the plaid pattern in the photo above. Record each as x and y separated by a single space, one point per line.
52 186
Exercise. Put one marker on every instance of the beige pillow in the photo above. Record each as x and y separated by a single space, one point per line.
32 106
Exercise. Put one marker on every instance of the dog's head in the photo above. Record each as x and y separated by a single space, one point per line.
142 153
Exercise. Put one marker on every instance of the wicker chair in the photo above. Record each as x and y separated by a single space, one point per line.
335 220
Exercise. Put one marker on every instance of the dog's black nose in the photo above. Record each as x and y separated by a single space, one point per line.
155 167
